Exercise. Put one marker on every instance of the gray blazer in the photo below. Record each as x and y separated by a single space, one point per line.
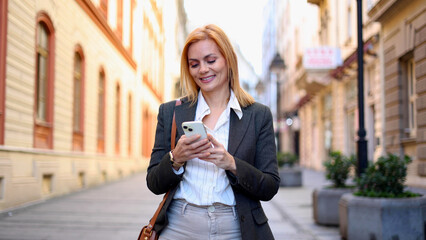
251 142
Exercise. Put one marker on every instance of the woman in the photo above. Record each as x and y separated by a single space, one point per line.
217 183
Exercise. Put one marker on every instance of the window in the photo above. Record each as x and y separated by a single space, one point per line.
103 5
43 122
370 80
328 131
82 179
47 184
349 20
117 118
1 187
120 19
132 10
324 27
145 132
101 113
351 116
350 134
129 119
411 98
78 104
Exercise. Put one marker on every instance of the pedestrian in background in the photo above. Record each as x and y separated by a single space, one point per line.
217 183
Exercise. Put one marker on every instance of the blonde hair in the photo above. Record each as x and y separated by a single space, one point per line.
189 87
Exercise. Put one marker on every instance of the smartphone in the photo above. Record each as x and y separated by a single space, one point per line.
194 127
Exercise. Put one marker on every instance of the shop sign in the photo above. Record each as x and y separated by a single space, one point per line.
322 58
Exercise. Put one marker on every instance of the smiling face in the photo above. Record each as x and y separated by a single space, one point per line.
208 67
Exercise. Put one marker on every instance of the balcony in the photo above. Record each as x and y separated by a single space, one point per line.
381 9
316 2
312 81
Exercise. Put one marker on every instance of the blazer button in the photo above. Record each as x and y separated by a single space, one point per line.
243 218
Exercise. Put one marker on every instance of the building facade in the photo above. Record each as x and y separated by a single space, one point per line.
296 32
80 86
267 86
403 65
320 87
329 114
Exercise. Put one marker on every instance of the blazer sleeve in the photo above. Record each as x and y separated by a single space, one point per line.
257 174
160 175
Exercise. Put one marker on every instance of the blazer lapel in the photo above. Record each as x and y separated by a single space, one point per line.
183 113
237 130
237 127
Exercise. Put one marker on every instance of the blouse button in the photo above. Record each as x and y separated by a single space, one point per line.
211 209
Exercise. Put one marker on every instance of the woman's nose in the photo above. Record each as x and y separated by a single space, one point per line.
203 68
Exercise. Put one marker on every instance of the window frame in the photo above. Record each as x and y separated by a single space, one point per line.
78 106
130 123
43 128
117 118
119 27
101 111
103 6
411 98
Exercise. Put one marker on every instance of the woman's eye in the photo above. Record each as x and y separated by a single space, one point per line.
194 65
211 61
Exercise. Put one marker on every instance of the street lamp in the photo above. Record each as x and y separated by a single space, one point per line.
277 65
362 142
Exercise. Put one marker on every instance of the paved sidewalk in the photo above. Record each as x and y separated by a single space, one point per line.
290 211
118 210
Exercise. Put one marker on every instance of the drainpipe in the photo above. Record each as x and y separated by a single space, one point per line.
382 92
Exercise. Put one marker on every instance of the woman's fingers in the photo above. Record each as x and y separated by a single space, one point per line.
191 147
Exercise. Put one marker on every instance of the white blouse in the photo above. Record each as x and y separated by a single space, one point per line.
203 182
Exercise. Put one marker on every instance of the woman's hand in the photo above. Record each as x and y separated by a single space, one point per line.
219 156
188 148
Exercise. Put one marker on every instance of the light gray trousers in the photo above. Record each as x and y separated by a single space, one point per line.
187 222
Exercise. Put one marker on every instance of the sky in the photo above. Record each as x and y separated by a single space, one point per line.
241 20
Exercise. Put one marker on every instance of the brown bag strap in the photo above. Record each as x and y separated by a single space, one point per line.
160 206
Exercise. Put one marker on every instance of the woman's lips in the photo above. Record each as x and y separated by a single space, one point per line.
207 79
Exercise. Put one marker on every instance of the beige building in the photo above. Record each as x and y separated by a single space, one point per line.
319 90
296 32
80 86
329 110
403 68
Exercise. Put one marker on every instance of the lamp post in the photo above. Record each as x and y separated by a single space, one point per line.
362 142
277 65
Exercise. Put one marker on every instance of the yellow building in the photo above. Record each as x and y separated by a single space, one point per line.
80 86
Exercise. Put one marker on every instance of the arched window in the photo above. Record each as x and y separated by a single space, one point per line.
148 131
101 112
43 122
129 123
145 132
117 118
78 101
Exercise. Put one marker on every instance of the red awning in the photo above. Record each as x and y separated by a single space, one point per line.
338 72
